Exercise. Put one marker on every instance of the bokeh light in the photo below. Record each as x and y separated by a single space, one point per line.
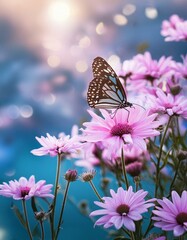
129 9
119 19
151 12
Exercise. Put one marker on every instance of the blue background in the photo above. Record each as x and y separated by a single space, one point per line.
45 68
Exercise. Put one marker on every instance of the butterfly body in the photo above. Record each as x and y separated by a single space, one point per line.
105 91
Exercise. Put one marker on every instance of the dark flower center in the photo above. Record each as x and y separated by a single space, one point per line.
25 191
120 129
149 78
122 209
181 218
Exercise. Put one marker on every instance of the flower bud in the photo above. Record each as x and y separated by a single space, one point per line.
134 168
40 216
182 155
88 176
71 175
175 90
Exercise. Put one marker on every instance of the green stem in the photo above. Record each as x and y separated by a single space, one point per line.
159 157
118 179
55 194
124 169
125 231
62 209
42 230
26 219
132 236
96 192
176 172
149 227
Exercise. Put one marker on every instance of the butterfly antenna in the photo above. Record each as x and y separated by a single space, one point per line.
139 105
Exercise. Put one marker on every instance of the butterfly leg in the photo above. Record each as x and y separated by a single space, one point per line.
128 114
113 114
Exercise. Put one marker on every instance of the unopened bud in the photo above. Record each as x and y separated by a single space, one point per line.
175 90
182 155
71 175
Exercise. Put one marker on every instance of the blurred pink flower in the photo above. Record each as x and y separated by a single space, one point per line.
154 69
143 72
175 29
132 69
160 238
53 146
122 209
25 189
172 215
125 128
165 103
88 156
134 160
182 67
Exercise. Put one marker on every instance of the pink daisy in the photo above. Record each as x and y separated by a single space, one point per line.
144 71
88 156
172 215
154 69
122 208
25 189
54 146
126 127
132 69
175 29
182 67
166 103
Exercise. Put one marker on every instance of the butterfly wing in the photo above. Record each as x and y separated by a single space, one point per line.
104 93
101 69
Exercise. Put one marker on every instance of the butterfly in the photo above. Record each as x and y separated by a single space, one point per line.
105 91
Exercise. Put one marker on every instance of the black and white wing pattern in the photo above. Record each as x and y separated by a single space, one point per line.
105 90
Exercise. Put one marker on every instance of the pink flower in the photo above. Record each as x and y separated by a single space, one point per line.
143 71
134 160
169 104
172 215
182 67
53 146
154 69
126 127
88 156
122 209
132 69
25 189
175 29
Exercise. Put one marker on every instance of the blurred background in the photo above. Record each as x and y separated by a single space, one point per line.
46 51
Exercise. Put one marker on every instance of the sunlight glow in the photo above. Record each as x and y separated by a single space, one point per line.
59 11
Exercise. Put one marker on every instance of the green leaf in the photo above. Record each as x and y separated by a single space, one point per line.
19 215
121 237
36 231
